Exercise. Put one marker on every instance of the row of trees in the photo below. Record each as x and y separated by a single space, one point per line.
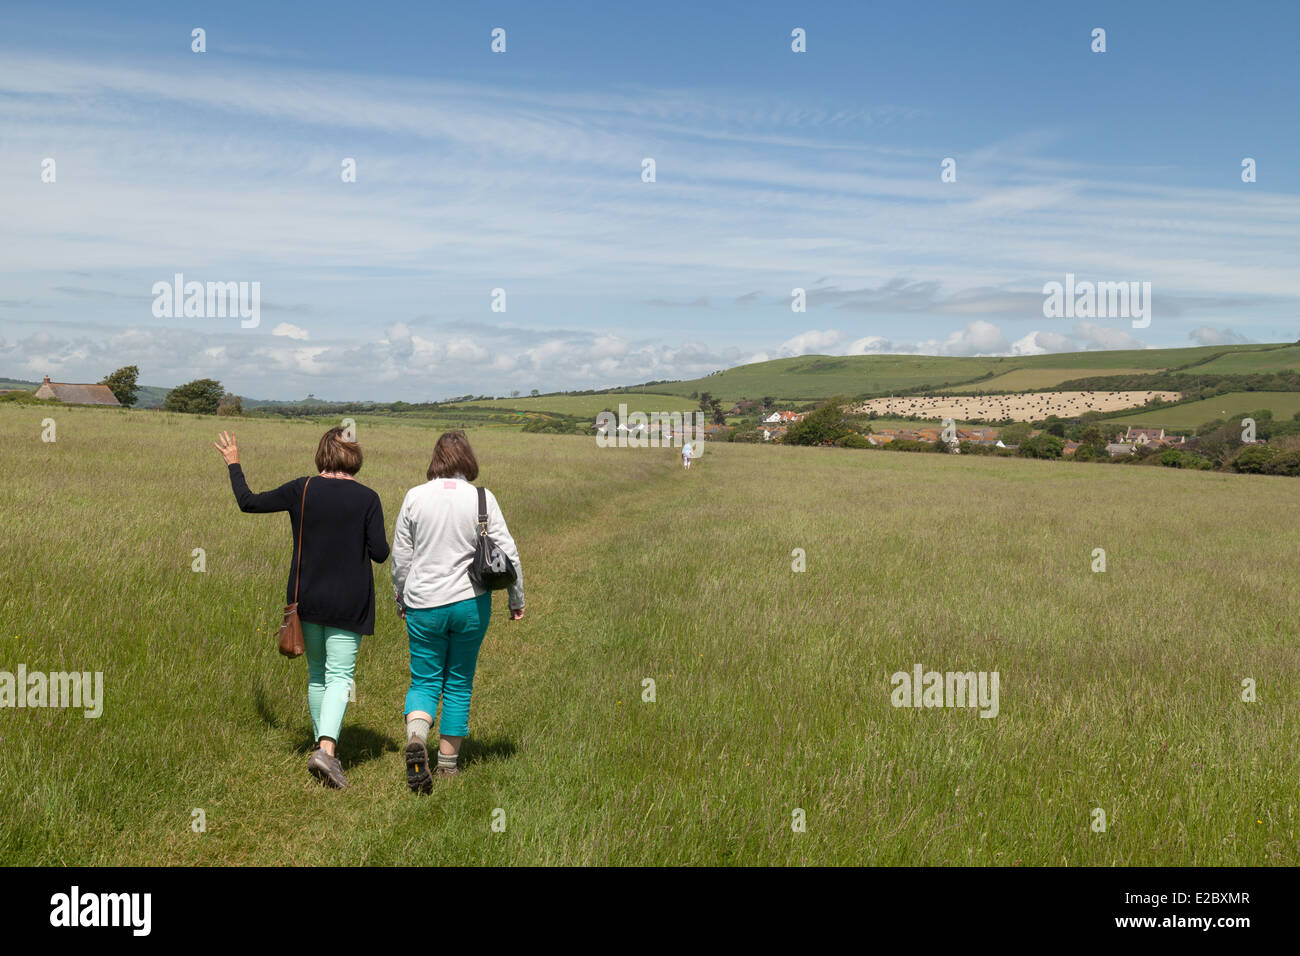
203 396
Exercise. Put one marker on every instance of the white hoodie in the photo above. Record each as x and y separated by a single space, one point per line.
434 541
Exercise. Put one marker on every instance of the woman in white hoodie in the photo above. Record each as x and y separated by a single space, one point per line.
446 614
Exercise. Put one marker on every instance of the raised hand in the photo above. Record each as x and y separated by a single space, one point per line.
225 444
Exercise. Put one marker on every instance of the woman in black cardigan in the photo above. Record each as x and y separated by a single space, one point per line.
344 532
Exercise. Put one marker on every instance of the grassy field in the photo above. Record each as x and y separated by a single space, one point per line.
1029 379
1240 363
811 377
1119 690
1229 406
590 405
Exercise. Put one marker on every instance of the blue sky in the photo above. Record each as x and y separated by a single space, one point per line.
522 171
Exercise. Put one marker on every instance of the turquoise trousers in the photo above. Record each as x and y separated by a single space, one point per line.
444 651
331 662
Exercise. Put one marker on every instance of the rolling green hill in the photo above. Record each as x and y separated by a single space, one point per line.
811 377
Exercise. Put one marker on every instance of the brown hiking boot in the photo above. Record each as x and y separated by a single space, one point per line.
419 776
326 769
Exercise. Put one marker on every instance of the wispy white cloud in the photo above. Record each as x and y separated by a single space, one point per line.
1204 335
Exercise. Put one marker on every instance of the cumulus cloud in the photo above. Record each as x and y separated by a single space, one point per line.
1105 337
1208 336
974 338
814 340
289 331
451 359
1040 343
870 345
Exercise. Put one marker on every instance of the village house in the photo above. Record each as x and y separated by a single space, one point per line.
1144 436
77 394
783 418
774 433
1115 449
1071 447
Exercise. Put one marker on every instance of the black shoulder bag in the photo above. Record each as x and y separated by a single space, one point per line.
491 568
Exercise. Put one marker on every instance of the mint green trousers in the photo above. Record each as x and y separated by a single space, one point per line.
331 663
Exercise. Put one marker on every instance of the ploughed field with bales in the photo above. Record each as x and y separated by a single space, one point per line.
1118 690
1022 407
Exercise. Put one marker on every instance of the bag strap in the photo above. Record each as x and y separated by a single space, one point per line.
482 511
302 520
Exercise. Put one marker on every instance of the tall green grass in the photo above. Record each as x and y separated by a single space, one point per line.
1119 690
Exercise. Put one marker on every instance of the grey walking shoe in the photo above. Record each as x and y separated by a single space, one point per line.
418 775
326 769
443 770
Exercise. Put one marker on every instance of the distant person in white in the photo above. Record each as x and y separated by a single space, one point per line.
686 456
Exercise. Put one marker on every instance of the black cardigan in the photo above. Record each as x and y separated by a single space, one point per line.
344 533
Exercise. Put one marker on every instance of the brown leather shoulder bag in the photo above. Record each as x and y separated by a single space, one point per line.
291 644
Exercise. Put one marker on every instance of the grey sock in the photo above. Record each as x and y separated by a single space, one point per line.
447 761
417 728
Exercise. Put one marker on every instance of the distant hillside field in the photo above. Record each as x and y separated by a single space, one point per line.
1031 379
813 377
1283 405
590 405
1243 363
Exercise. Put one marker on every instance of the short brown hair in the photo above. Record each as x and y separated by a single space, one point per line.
336 453
453 458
